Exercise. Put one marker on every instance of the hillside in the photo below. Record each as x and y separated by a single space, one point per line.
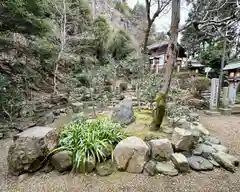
49 49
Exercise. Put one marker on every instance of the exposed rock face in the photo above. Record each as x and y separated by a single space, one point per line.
199 163
161 149
123 113
166 168
226 161
182 139
180 162
29 149
62 161
131 154
117 19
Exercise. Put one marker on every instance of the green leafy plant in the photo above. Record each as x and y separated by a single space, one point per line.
177 111
200 84
89 139
150 86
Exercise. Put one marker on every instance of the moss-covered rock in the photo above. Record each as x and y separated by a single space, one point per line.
159 111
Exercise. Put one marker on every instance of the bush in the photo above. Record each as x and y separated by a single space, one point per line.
123 87
149 87
122 8
87 139
176 111
201 84
11 98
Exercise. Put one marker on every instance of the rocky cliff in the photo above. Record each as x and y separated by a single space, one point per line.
118 19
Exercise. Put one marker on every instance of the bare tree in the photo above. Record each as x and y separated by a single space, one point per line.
172 45
161 6
61 9
159 111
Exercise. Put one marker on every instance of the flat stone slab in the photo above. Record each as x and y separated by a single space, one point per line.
166 168
34 132
212 113
198 163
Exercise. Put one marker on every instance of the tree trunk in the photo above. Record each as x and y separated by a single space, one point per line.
147 33
159 111
221 72
145 51
172 45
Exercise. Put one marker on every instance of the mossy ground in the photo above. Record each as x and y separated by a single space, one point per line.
141 127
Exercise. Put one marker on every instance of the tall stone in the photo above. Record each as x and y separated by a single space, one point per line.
123 113
131 154
214 93
182 139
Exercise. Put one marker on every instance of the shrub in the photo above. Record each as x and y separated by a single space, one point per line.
201 84
123 87
122 8
87 139
176 112
11 98
149 87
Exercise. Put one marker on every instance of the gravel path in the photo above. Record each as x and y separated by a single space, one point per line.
227 129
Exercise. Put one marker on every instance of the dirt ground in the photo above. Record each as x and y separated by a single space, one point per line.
227 129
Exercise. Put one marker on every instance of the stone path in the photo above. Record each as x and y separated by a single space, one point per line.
227 129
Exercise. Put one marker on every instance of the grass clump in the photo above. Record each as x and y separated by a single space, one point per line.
90 139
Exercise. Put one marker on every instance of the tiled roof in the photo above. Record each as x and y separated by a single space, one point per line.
233 65
156 45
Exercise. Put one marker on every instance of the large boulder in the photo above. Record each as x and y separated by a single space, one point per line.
30 148
166 168
180 162
123 113
182 139
161 149
199 163
131 154
62 161
226 161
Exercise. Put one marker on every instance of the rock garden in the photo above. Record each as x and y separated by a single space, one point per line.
121 140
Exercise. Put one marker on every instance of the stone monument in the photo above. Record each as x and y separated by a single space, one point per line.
232 93
225 110
213 98
214 93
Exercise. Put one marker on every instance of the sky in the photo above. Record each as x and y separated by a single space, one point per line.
163 22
